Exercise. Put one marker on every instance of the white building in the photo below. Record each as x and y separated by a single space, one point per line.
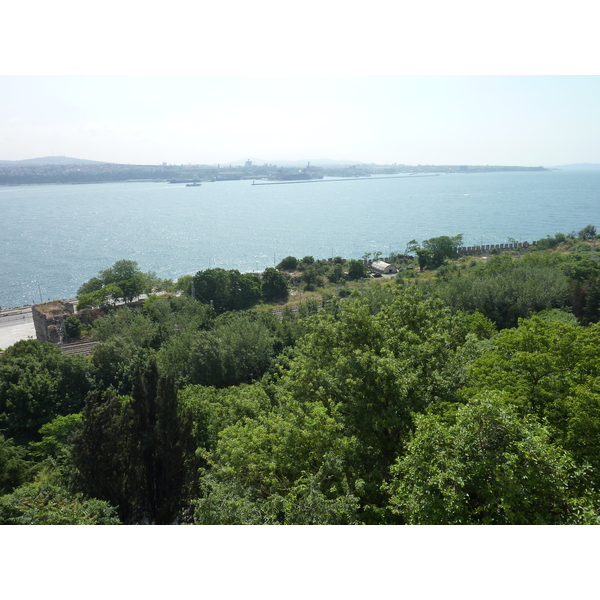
382 267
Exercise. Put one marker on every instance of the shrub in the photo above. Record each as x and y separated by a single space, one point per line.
72 327
289 263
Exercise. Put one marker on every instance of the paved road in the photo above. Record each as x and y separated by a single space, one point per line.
15 324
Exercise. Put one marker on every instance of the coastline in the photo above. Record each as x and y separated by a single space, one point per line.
82 182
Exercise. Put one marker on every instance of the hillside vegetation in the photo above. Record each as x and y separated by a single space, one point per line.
464 390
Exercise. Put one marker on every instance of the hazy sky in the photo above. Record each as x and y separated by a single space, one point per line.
509 120
281 81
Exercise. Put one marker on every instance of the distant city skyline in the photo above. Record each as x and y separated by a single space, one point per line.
476 120
58 160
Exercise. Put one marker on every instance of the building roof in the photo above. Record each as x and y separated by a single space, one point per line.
380 265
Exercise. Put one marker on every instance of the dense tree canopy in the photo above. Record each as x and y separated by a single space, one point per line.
227 290
356 380
468 393
37 383
485 463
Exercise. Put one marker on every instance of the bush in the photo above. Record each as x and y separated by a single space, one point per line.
72 327
289 263
560 238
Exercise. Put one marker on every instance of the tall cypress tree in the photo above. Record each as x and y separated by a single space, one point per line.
130 451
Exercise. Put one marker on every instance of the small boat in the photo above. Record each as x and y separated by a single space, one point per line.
193 184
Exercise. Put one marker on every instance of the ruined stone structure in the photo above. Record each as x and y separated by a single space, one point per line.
48 320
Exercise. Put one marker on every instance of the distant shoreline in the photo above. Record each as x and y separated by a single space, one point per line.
80 182
430 172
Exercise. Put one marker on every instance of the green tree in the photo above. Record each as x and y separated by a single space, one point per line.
130 451
93 285
15 469
549 368
538 363
373 368
127 325
43 502
442 247
425 258
184 284
285 466
95 299
312 276
227 290
412 247
336 273
587 233
274 285
115 363
289 263
307 260
356 270
210 410
37 383
506 290
123 280
239 349
56 439
484 463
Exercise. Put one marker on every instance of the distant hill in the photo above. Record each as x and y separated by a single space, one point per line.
586 166
52 160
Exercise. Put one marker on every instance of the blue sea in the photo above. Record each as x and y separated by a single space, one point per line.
55 237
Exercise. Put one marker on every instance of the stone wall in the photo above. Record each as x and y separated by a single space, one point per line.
486 248
48 320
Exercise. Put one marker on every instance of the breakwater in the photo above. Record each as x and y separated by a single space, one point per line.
341 179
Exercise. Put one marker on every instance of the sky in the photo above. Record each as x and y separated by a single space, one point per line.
432 84
499 120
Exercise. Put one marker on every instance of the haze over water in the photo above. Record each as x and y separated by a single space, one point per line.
62 235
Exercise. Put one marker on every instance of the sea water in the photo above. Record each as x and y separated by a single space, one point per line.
55 237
